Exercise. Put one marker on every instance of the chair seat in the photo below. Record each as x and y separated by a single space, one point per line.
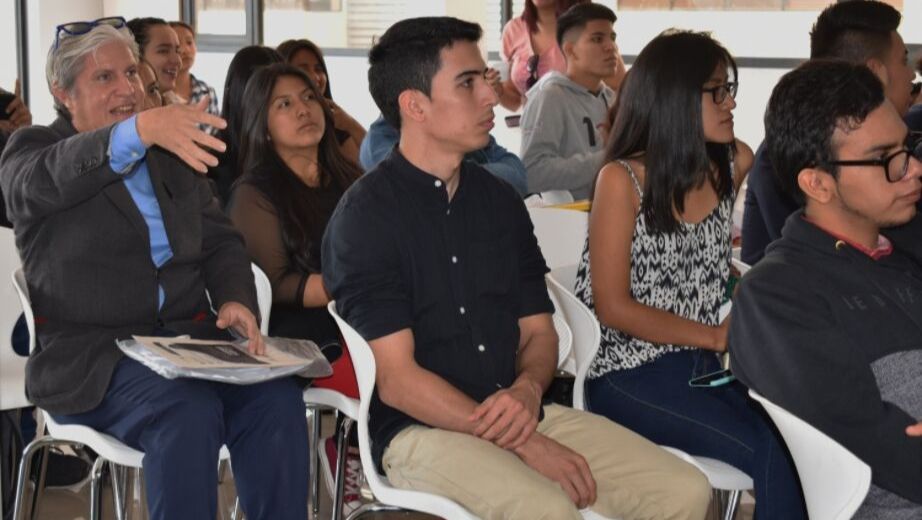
106 446
332 399
722 475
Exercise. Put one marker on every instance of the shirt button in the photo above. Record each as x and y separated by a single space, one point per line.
481 348
448 212
438 184
461 310
454 259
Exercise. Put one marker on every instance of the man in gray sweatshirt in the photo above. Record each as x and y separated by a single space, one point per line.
565 121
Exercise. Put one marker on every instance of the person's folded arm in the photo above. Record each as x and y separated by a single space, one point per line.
542 133
786 344
611 231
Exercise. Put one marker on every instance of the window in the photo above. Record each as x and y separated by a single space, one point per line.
734 5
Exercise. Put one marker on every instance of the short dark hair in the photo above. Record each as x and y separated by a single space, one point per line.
854 31
804 110
659 115
408 56
140 28
576 18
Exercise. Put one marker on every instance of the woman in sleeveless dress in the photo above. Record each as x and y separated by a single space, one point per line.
657 261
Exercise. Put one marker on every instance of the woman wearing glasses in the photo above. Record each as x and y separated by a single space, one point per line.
659 256
530 50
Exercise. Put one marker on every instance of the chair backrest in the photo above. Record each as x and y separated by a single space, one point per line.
586 333
834 480
12 365
561 234
364 363
263 298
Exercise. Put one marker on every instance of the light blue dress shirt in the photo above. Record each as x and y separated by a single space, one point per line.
127 157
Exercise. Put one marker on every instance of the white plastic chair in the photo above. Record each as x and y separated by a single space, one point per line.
389 497
586 341
561 234
109 449
834 480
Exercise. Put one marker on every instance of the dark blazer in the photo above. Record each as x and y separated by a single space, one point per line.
86 255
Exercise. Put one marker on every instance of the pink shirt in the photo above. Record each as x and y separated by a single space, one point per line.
517 50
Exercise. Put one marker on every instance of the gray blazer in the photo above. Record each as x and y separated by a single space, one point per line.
86 256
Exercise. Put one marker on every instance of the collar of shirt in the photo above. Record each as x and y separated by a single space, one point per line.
430 191
884 246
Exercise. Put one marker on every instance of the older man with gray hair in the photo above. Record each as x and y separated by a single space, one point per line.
118 236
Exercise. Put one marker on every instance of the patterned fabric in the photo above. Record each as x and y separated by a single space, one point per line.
201 89
684 273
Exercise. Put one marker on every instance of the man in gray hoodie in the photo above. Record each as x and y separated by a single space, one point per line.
565 121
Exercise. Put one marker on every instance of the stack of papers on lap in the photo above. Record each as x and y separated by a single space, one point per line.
226 361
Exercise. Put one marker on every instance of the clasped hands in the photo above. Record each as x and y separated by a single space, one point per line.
509 419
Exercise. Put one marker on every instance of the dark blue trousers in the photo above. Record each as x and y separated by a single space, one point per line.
723 423
180 425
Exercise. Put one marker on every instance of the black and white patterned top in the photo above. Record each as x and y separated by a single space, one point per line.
682 272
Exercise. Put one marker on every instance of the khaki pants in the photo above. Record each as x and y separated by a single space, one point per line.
635 479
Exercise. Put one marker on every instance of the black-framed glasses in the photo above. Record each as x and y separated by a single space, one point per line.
720 92
895 165
78 28
531 66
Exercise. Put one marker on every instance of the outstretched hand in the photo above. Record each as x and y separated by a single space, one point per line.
237 316
175 128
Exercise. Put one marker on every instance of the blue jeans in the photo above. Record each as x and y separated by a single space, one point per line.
655 401
180 425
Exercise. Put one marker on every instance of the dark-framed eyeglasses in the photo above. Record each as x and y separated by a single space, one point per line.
531 66
78 28
895 165
720 92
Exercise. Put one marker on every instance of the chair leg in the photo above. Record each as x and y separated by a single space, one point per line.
40 483
117 477
313 412
236 512
733 500
95 484
25 468
342 435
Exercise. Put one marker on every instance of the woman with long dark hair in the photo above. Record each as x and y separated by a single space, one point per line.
656 266
241 68
307 56
530 50
293 177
